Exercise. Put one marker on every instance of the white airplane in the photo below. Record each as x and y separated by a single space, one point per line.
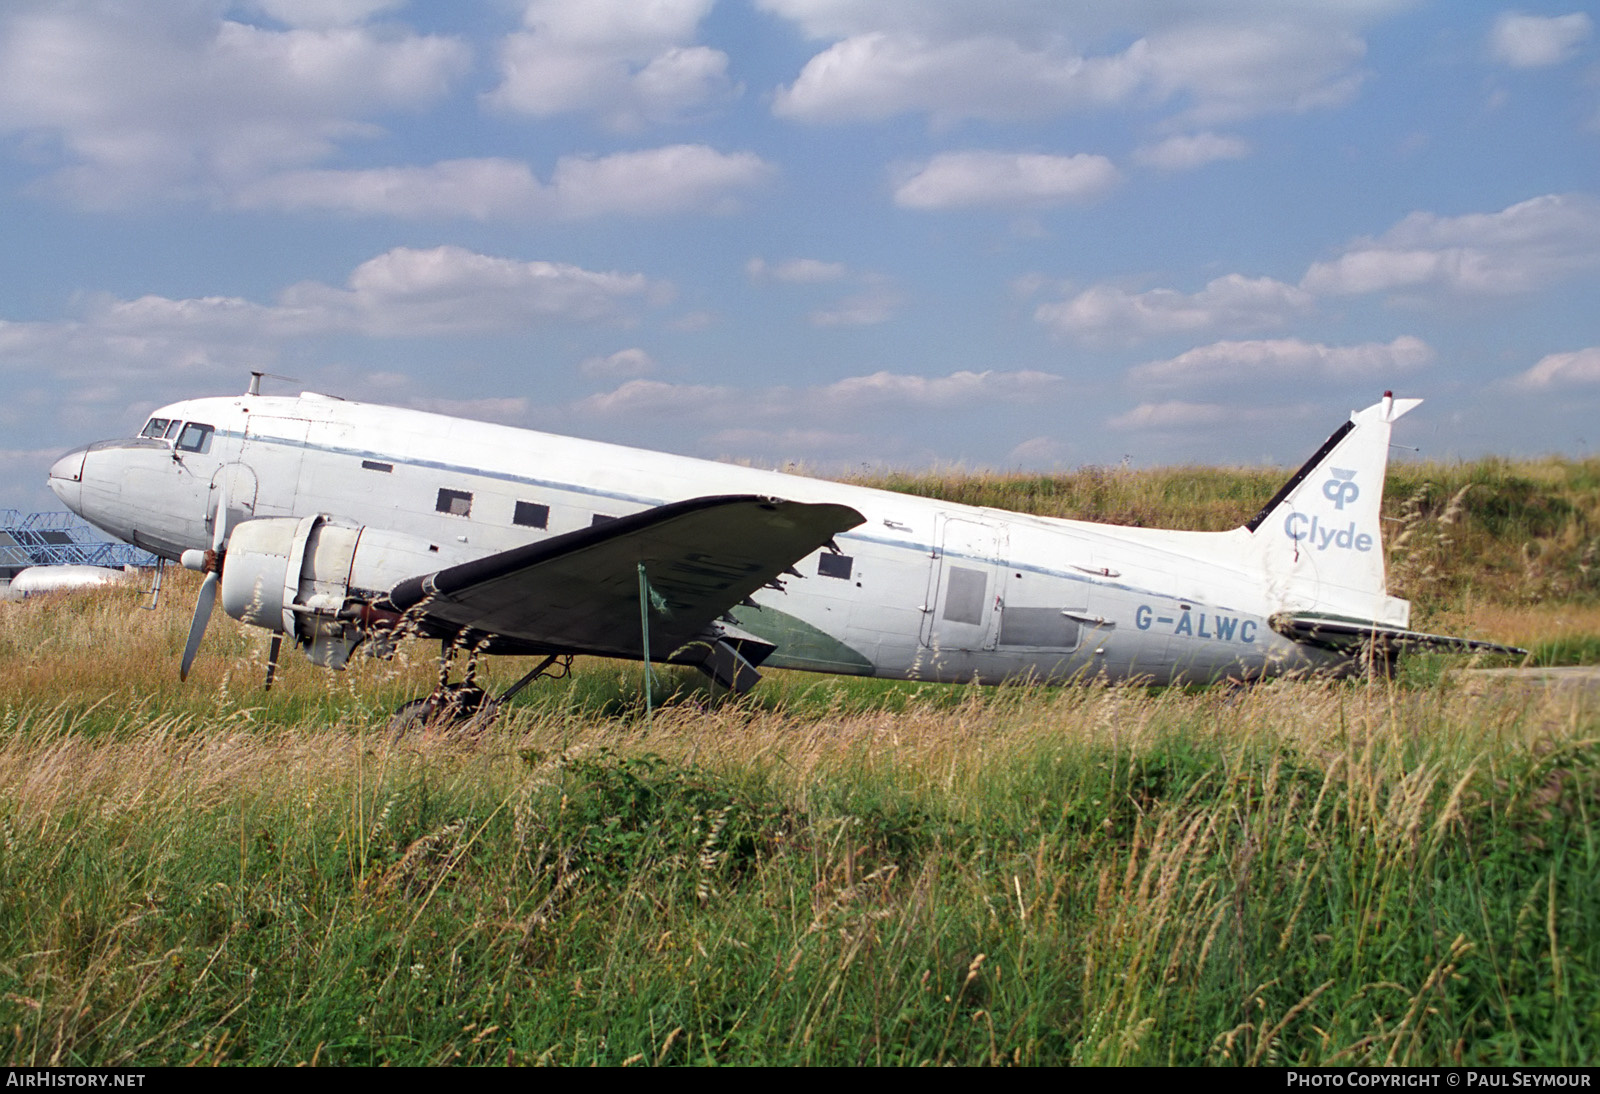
340 524
53 579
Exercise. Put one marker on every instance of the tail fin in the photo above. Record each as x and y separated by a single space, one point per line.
1320 538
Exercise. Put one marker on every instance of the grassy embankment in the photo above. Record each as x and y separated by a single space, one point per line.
831 871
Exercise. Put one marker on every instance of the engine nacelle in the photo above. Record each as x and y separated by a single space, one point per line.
295 576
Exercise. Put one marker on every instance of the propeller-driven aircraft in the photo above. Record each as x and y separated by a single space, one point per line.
341 525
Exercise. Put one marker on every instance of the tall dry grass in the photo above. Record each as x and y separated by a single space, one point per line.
1298 873
829 871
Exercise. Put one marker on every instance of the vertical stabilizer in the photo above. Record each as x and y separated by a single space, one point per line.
1320 538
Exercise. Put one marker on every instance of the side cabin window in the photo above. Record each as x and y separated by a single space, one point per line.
195 438
531 515
156 428
458 503
832 565
1042 628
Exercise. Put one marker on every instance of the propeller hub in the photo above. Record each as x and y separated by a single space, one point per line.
208 561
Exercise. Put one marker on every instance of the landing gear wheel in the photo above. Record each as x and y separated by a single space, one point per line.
459 709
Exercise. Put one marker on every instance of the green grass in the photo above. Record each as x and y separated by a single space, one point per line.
830 870
1573 650
1300 873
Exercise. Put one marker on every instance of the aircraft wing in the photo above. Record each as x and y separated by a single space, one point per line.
1349 635
580 592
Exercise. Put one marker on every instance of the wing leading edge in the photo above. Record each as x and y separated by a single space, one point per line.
580 593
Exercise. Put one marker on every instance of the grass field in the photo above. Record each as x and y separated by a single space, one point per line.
830 871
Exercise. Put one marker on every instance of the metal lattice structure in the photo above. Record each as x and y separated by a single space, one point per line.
59 539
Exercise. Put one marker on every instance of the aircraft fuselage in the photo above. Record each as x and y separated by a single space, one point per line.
924 589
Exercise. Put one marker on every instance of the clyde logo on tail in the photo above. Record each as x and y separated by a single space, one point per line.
1340 488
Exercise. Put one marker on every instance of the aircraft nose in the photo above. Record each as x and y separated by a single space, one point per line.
66 479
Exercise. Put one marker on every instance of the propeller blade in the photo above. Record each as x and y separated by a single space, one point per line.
196 560
219 523
202 616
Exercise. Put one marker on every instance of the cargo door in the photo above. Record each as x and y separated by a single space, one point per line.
966 582
275 449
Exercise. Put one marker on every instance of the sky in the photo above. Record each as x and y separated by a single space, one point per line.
832 235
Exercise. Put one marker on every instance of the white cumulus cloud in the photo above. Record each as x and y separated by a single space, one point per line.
1231 71
877 76
449 289
1176 414
954 180
954 60
1187 152
628 63
1285 359
877 303
1037 452
1561 369
956 389
1521 248
824 19
656 181
324 13
404 292
624 364
1538 41
795 271
168 100
659 399
483 189
879 391
1231 303
651 182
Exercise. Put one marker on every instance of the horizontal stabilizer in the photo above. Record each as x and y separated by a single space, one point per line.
1350 635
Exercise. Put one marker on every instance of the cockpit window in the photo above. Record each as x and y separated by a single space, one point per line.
195 438
157 428
172 428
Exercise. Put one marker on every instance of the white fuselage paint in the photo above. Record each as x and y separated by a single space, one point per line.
935 590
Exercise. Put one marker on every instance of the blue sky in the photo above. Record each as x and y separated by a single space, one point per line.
830 233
